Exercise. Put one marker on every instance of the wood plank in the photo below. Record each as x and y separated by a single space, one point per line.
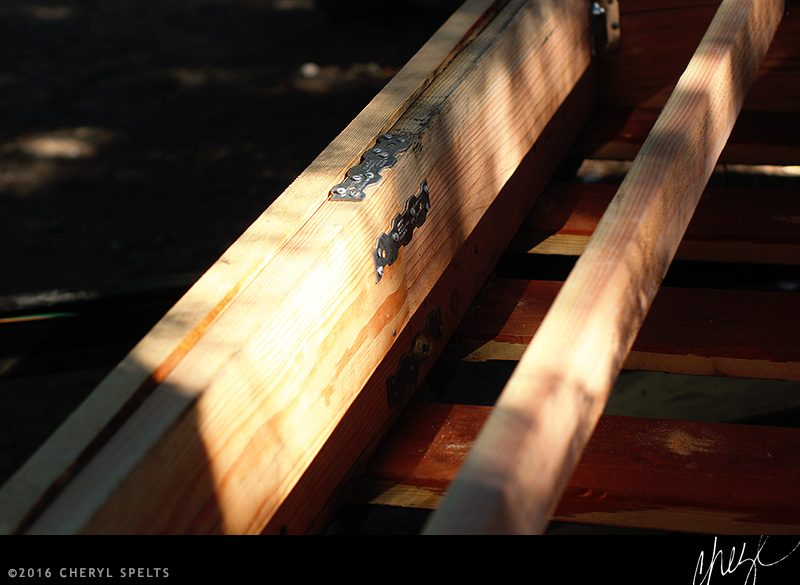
659 37
223 440
758 138
730 224
638 393
369 417
635 472
687 331
706 398
152 360
519 466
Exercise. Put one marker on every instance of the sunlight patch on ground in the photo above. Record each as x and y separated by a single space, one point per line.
193 77
24 178
32 161
48 13
316 79
282 5
68 143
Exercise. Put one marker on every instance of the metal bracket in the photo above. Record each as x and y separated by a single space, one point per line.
604 26
403 225
368 172
408 370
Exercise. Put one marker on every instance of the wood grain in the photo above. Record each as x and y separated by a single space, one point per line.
519 466
730 224
635 472
220 444
306 509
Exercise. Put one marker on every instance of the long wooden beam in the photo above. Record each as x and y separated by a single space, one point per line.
635 472
158 353
368 418
516 471
222 441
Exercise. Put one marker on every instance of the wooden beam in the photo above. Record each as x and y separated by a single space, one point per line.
704 398
167 344
519 466
730 224
659 37
744 334
220 444
635 472
368 418
758 138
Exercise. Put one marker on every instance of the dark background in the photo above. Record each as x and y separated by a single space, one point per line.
138 139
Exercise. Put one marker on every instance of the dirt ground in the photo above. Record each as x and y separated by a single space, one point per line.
139 139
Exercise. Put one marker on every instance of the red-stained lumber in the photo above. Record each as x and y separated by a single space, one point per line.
730 224
635 472
658 39
758 138
746 334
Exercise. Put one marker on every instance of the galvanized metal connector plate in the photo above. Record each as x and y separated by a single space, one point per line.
368 172
403 225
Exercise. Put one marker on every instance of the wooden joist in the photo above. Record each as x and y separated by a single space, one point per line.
518 467
708 332
635 472
292 327
659 38
730 224
758 138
